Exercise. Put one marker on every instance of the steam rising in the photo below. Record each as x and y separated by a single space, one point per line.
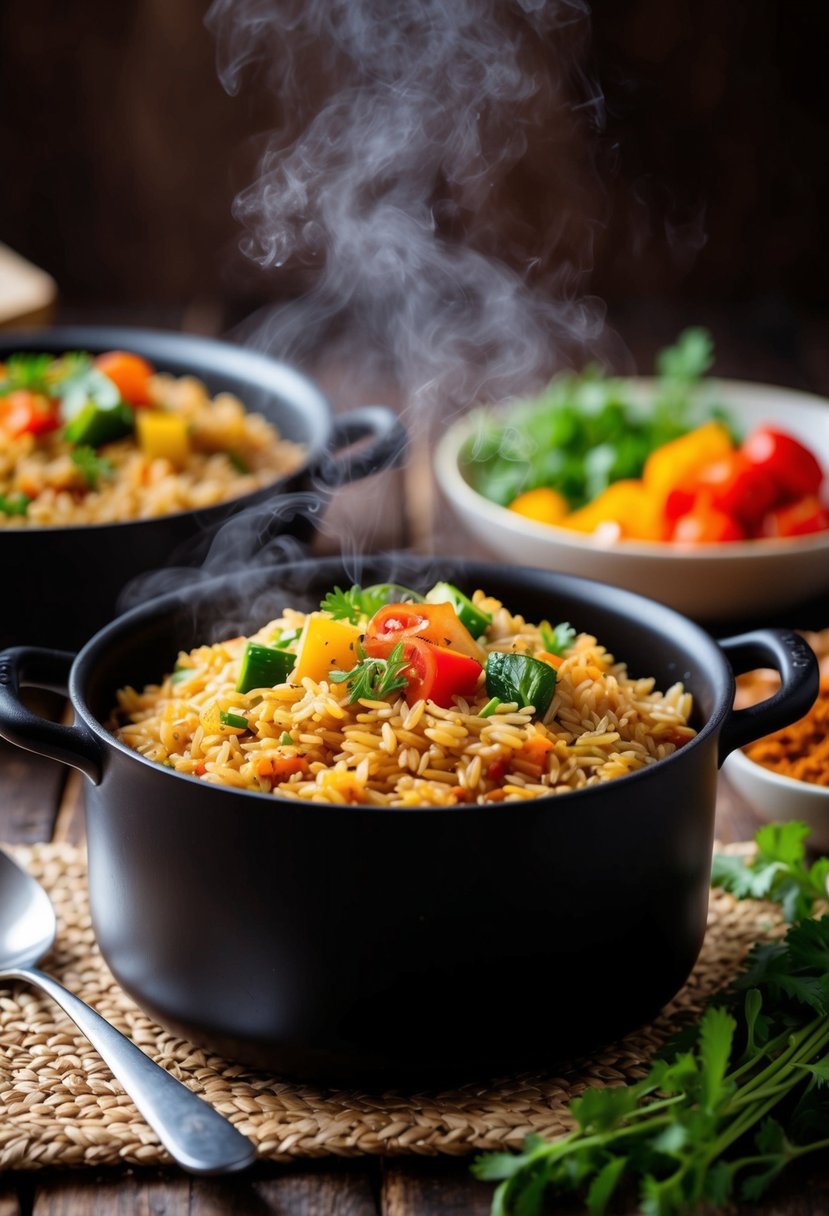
391 195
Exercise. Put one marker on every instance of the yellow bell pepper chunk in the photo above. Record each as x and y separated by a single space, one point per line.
680 460
544 505
163 436
629 504
324 646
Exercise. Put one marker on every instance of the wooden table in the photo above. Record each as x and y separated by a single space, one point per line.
39 802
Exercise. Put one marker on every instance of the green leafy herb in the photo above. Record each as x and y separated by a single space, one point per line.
589 429
374 679
79 382
238 462
731 1101
360 603
94 468
14 504
557 638
27 371
778 871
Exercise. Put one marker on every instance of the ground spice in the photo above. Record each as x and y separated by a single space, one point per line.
802 749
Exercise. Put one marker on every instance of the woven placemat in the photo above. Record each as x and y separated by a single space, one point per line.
60 1105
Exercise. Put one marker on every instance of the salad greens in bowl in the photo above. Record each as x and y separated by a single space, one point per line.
709 495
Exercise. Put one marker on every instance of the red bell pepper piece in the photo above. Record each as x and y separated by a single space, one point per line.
26 413
799 518
790 465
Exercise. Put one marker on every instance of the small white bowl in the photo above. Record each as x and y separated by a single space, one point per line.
776 798
707 582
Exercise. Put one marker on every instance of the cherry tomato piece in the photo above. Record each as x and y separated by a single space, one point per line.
437 623
706 524
792 467
434 673
129 373
27 413
799 518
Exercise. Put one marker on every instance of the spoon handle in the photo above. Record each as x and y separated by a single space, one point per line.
195 1135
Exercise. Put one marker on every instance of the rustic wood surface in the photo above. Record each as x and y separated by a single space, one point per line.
38 801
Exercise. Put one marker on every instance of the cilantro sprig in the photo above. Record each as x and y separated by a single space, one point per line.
93 468
374 679
732 1100
27 371
359 603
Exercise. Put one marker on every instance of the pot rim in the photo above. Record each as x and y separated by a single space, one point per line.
274 376
711 654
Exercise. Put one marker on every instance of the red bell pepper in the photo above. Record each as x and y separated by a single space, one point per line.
26 413
790 465
799 518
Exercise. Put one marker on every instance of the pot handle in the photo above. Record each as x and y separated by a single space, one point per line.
791 656
386 446
37 667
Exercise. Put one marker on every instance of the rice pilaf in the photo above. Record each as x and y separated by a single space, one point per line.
227 452
306 741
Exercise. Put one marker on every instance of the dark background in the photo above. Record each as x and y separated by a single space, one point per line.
703 198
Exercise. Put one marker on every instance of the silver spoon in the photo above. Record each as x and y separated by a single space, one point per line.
195 1135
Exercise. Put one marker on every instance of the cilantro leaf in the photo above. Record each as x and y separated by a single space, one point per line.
27 371
93 467
778 872
359 603
557 638
372 678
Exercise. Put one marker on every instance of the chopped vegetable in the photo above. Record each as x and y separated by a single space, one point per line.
543 504
227 718
325 645
799 518
521 678
437 623
471 617
790 465
705 525
130 374
26 413
674 463
163 436
91 465
77 382
374 677
14 504
264 667
490 707
286 638
433 673
94 426
286 738
630 505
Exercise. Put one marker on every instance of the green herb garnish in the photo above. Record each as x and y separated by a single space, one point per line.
93 467
14 504
374 679
557 638
24 371
80 382
360 603
732 1100
238 462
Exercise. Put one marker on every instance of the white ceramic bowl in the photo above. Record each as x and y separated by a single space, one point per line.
776 798
707 582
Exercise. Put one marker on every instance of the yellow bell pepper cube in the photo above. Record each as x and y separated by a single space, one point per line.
544 505
675 463
163 436
324 646
629 505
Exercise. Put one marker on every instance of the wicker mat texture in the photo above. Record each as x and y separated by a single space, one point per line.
60 1106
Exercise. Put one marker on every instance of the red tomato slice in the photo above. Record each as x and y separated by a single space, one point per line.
434 673
799 518
27 413
437 623
792 467
129 373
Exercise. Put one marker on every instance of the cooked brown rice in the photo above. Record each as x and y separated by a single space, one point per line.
601 724
224 438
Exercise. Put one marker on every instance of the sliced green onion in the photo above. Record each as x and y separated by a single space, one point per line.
490 707
235 720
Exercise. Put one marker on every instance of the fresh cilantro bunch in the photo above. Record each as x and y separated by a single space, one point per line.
359 603
731 1101
589 429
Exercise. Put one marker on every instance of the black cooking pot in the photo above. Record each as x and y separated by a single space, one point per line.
365 943
62 584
